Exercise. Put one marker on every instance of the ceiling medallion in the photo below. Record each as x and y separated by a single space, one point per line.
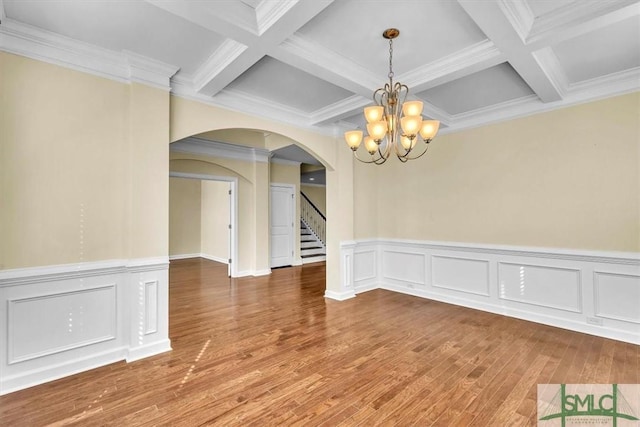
384 134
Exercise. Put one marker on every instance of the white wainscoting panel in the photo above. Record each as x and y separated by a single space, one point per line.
592 292
551 287
51 323
65 319
617 296
151 307
364 266
460 274
408 267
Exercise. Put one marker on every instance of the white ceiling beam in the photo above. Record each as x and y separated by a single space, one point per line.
472 59
244 46
324 63
491 19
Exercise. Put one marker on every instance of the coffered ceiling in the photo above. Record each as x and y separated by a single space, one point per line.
316 63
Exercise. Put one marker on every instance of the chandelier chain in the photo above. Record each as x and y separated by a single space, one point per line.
391 58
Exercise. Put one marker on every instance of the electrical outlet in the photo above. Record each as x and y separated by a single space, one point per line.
594 321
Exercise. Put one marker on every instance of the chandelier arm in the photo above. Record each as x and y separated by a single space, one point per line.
406 156
406 91
373 160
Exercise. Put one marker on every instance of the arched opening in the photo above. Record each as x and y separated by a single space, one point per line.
256 161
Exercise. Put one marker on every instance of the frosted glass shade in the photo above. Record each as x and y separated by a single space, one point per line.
429 129
353 138
373 114
412 108
377 130
370 144
411 125
407 143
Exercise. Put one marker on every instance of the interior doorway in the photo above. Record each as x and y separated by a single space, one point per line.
282 224
218 219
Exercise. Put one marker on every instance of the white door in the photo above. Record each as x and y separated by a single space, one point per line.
282 225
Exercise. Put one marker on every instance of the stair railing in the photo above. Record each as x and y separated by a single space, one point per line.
313 218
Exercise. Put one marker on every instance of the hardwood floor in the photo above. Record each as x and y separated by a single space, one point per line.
273 351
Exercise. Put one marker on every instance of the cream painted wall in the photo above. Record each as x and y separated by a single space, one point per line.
317 195
149 153
289 174
65 187
184 216
245 137
215 219
566 179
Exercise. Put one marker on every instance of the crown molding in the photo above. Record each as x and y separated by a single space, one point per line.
221 58
150 72
225 150
613 84
337 110
42 45
520 16
269 12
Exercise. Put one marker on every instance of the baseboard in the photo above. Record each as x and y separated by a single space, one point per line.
339 296
148 350
263 272
215 258
69 367
254 273
584 291
183 256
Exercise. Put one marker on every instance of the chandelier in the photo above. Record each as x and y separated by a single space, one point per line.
384 135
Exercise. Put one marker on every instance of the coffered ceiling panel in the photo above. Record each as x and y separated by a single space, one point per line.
281 83
429 30
485 88
604 51
121 25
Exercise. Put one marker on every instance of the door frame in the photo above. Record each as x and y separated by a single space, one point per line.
233 202
292 187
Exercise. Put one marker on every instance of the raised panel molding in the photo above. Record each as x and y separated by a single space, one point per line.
552 287
64 319
617 296
364 265
151 307
460 274
562 288
73 319
408 267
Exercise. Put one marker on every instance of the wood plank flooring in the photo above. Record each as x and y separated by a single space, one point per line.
272 351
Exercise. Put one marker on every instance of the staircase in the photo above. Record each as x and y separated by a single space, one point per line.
311 248
313 226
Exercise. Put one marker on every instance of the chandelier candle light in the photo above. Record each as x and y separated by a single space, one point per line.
392 108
